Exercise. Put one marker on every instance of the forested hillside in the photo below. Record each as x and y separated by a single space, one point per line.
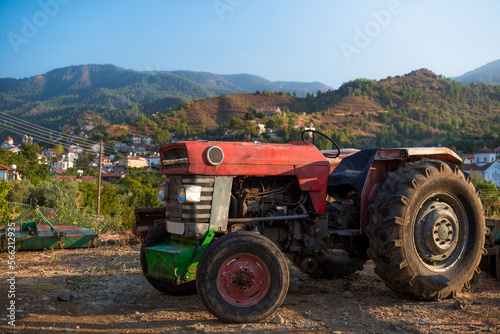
416 109
78 95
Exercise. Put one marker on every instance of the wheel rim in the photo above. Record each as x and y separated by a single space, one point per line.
243 280
441 232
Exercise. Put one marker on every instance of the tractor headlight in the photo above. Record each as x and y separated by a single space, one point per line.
162 190
188 194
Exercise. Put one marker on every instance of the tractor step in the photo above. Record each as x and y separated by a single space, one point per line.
170 262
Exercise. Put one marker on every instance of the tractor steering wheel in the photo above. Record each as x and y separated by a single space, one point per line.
314 132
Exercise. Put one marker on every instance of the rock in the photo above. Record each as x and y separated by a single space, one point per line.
397 326
347 294
278 319
64 296
459 305
196 327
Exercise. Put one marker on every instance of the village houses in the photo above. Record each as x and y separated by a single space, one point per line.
8 173
486 164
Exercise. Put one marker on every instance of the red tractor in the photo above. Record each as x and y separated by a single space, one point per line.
233 209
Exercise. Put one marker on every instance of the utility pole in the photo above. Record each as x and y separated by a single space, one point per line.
99 183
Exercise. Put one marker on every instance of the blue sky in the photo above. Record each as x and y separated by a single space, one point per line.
327 41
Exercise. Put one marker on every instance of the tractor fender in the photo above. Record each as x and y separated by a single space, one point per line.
389 160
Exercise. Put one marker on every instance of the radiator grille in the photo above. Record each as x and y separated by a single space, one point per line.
190 212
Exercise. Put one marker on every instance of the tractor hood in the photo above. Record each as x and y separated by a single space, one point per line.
240 158
300 159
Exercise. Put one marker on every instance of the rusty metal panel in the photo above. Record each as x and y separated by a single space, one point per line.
220 203
436 153
145 219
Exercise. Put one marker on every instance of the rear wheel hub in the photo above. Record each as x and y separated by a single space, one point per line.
437 231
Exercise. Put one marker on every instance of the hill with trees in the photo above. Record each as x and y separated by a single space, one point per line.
76 95
417 109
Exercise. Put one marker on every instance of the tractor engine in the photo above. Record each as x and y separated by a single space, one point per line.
266 197
343 214
258 198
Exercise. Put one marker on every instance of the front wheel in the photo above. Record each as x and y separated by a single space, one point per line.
242 277
426 230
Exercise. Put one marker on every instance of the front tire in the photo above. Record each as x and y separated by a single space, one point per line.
242 277
158 235
426 230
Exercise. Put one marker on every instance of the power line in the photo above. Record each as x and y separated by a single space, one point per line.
47 135
43 139
18 121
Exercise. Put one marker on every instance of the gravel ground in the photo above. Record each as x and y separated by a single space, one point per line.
102 290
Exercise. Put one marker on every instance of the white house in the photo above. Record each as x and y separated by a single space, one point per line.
489 171
467 158
8 143
136 140
484 156
76 148
154 160
261 128
72 156
485 164
27 139
497 152
50 153
63 163
147 141
118 146
9 173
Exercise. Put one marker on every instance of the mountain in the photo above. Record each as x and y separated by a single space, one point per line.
238 83
489 73
76 93
416 109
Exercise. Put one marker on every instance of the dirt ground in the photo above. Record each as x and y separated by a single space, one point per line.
102 290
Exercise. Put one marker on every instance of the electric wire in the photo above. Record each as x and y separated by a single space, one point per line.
47 136
19 121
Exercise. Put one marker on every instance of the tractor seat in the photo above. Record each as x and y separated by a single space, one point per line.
350 174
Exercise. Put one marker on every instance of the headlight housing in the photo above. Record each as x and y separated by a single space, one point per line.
162 192
189 194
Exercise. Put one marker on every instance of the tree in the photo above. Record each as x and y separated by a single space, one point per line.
20 192
5 214
59 149
249 116
28 166
162 137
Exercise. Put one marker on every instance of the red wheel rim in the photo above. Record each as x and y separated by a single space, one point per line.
243 280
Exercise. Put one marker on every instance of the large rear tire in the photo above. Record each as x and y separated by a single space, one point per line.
242 277
426 230
158 235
